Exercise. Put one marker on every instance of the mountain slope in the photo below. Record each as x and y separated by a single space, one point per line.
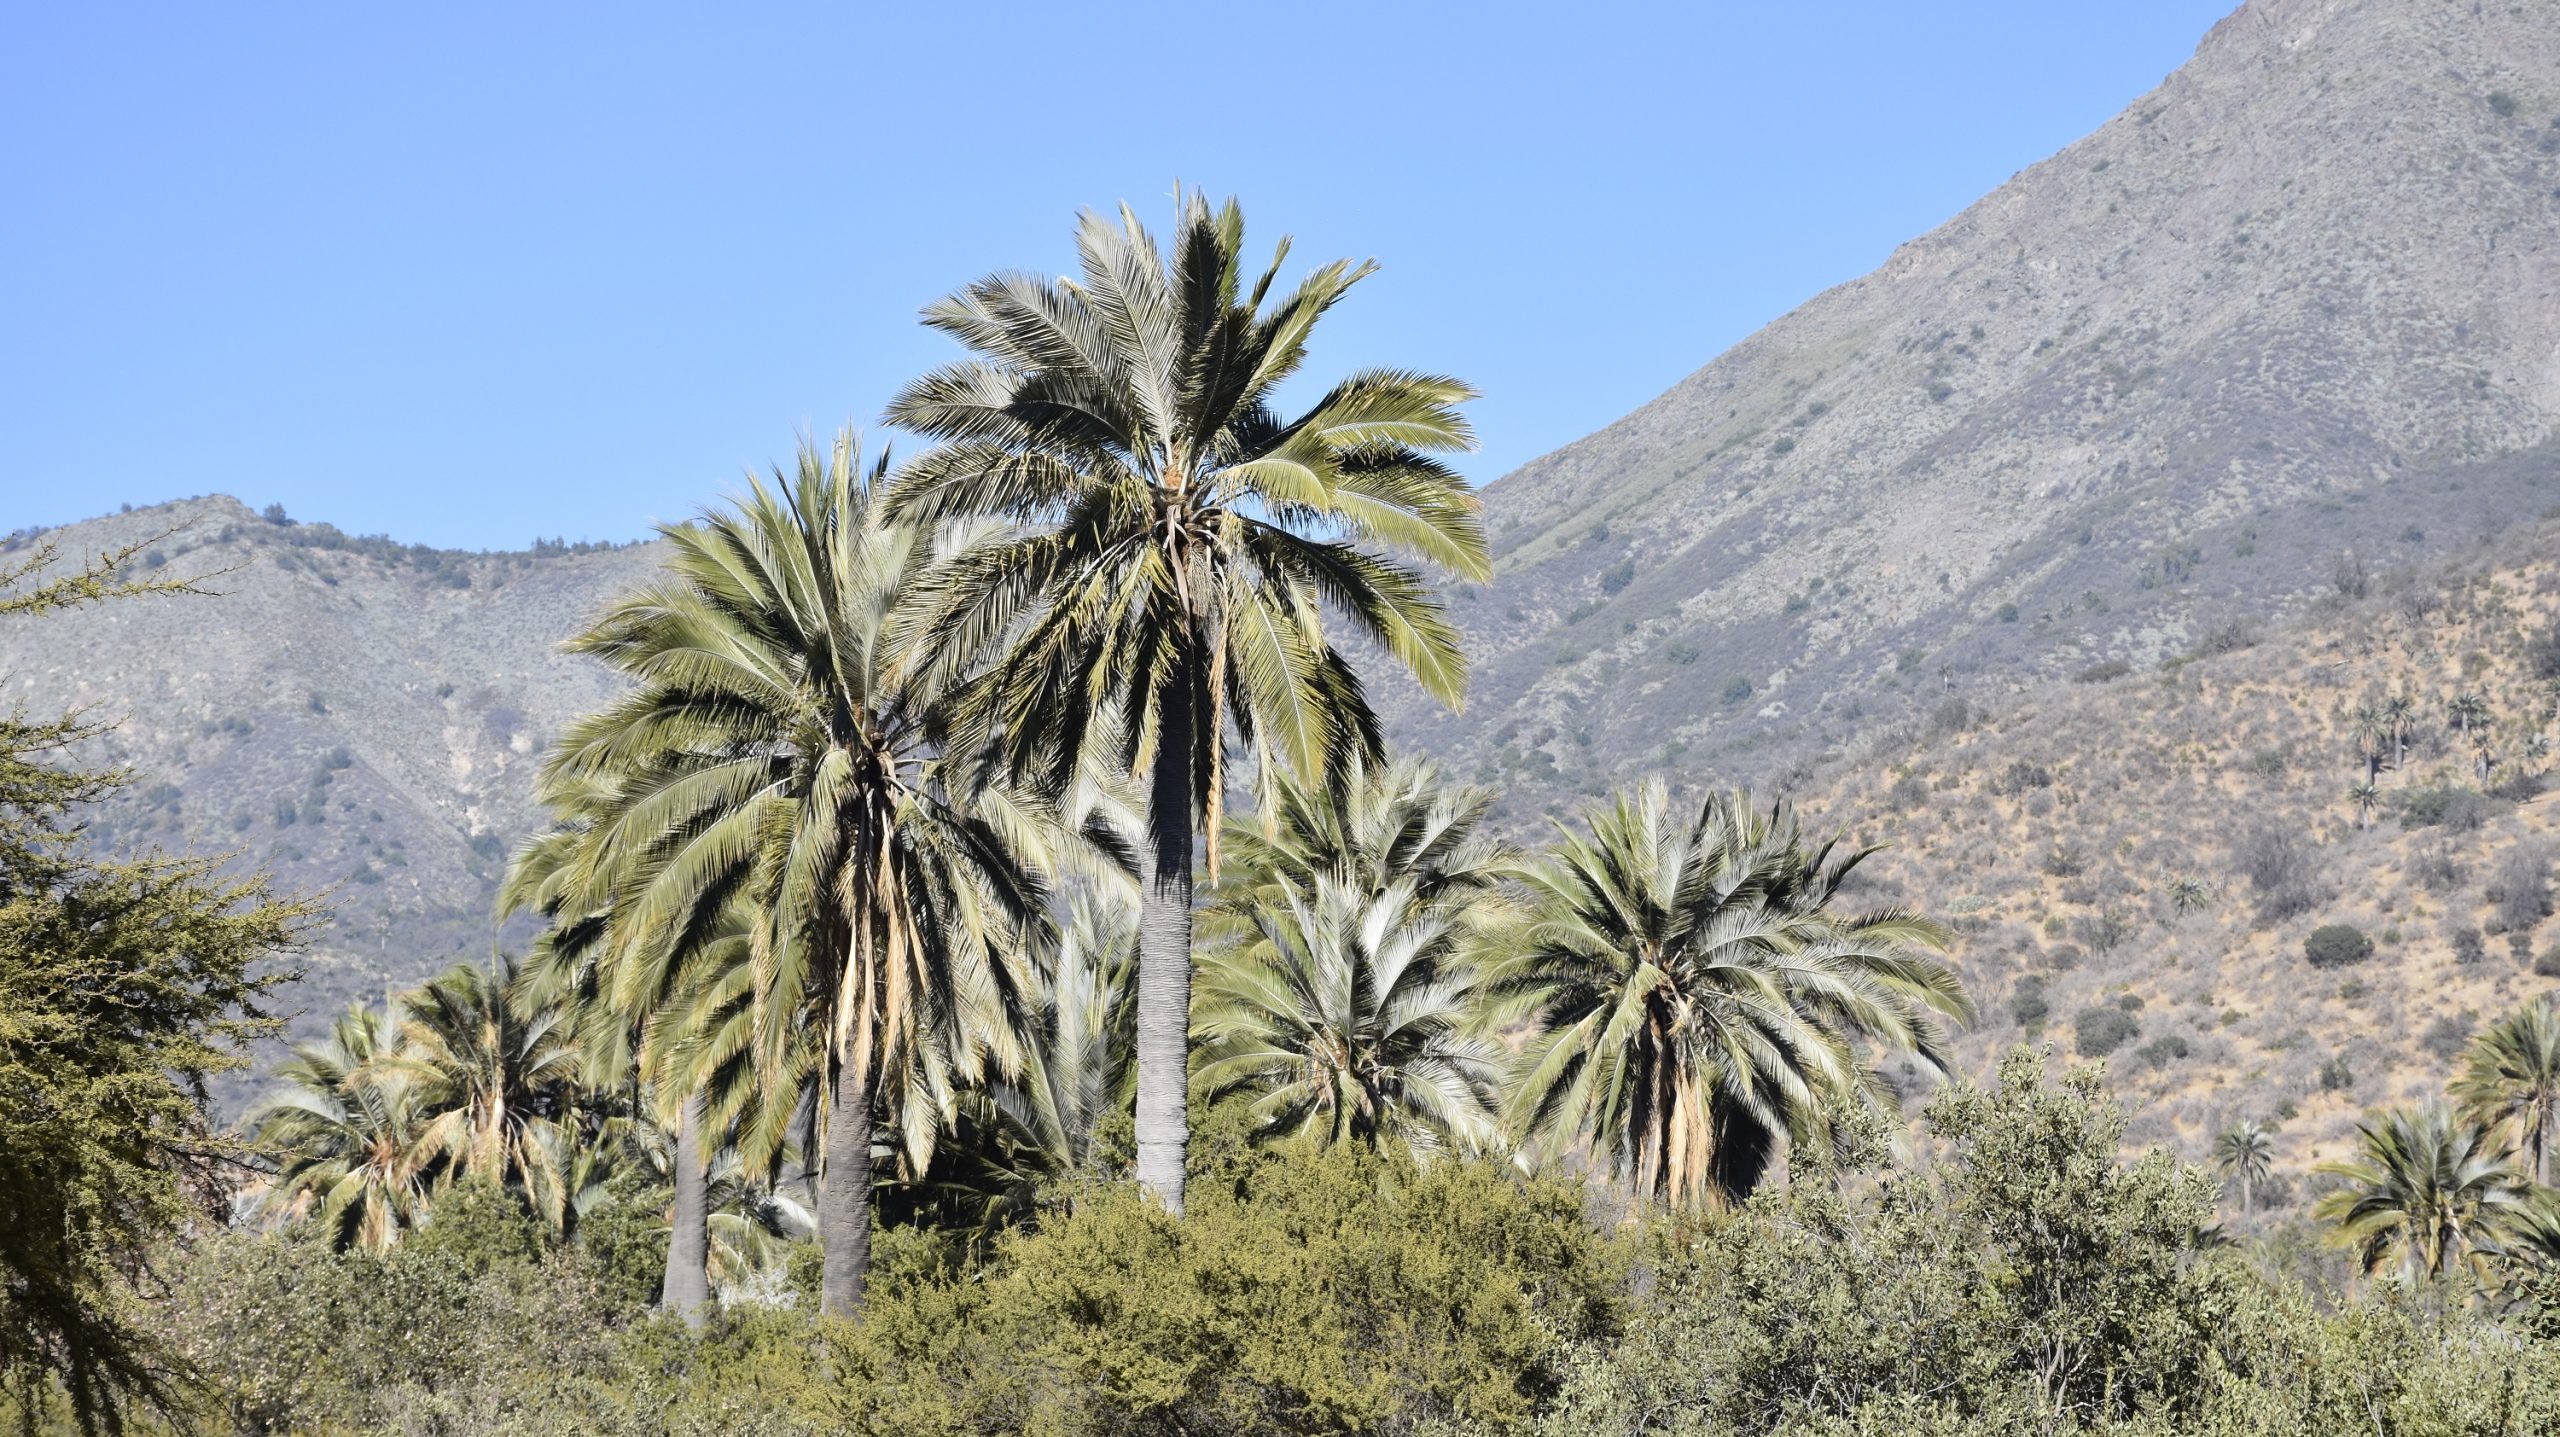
2302 299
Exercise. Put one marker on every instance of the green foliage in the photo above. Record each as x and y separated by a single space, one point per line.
2336 945
124 988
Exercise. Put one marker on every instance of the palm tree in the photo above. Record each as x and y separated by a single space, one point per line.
1350 1021
2425 1187
1699 995
2468 710
1372 829
2400 717
349 1134
1178 547
2484 745
2366 725
770 762
2189 895
2511 1080
2247 1151
493 1069
2366 798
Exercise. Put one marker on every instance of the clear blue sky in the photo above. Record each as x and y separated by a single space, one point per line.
468 274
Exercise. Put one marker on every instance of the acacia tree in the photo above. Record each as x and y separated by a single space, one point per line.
1177 547
1698 993
773 761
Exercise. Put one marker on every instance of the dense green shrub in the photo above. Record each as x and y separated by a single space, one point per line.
2337 945
2101 1030
2028 1007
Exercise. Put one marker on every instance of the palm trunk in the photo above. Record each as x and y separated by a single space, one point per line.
1164 951
844 1195
686 1290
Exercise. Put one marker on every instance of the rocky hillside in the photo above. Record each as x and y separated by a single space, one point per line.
359 716
2303 300
2135 860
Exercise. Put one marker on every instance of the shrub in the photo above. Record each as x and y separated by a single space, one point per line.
2062 861
2335 1075
2101 1030
2104 931
1618 576
2447 1035
2547 965
2006 613
2337 945
2468 946
2456 810
2161 1052
2522 887
1737 688
2101 672
2028 1007
2278 863
2020 776
2542 652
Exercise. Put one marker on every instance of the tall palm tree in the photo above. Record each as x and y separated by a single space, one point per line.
772 761
2371 731
2400 717
2247 1151
2484 747
494 1069
1177 549
1351 1021
2511 1080
1700 994
2426 1188
349 1134
2366 798
2468 710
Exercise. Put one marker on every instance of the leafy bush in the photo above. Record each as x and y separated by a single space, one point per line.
2446 1036
2101 672
2335 1075
1616 578
1737 688
2521 888
2468 946
2456 810
2028 1007
2337 945
2278 863
2101 1030
2020 776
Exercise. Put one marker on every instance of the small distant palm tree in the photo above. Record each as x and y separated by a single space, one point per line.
2366 798
2484 748
2247 1151
2400 716
1698 994
2371 732
1181 547
2426 1189
2511 1080
2468 710
1350 1022
2189 895
494 1070
350 1135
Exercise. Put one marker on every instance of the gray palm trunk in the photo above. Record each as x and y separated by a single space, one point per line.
844 1195
686 1289
1164 952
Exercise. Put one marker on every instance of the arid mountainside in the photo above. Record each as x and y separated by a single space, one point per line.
2302 298
2135 860
361 717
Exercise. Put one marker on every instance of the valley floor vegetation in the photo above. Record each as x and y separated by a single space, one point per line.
917 1043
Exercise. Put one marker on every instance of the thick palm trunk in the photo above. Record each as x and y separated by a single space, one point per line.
686 1290
1164 954
844 1196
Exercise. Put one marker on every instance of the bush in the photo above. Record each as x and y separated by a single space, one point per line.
2456 810
2100 1031
2521 888
2161 1052
2279 864
2448 1034
2335 1075
2028 1007
1618 576
2337 945
2020 776
2468 946
1737 688
2547 965
2099 673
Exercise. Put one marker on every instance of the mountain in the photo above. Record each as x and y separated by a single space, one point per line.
2301 301
362 717
2135 474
